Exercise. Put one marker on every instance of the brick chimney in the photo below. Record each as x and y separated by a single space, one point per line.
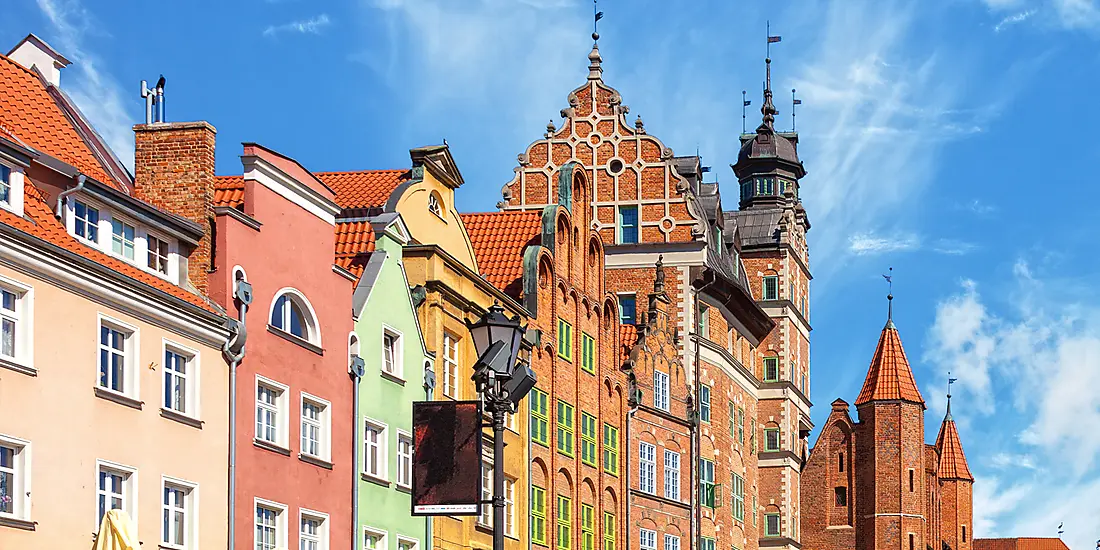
174 170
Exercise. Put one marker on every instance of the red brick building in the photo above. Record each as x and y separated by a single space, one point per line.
875 483
702 416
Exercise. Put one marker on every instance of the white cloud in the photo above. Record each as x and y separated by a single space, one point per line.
1004 461
94 91
1064 14
1014 19
313 25
867 244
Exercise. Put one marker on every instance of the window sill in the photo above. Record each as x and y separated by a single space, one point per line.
111 395
12 364
267 445
316 461
16 523
181 418
375 480
404 488
295 340
393 378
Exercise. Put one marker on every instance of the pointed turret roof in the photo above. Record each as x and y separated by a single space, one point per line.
889 378
952 458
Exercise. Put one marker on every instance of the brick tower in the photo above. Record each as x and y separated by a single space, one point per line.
890 482
957 487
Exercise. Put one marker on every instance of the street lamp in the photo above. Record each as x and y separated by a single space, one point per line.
502 385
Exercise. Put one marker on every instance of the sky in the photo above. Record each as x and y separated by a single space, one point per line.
951 140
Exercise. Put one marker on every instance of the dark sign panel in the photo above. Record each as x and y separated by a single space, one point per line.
446 458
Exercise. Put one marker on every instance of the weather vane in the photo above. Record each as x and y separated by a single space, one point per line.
794 103
771 40
596 16
744 103
890 297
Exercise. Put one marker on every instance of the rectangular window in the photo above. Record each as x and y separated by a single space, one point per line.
14 501
628 309
771 369
647 468
271 412
122 239
771 525
660 390
588 353
565 340
912 541
628 224
708 490
755 508
672 542
313 532
509 507
771 439
114 357
840 495
910 480
741 425
611 449
158 254
733 418
647 539
588 528
450 365
540 418
565 522
704 313
86 222
706 543
315 427
391 353
588 439
15 326
704 403
114 490
737 486
538 515
672 475
565 428
771 287
177 390
752 435
373 540
177 515
404 460
486 516
374 461
964 533
5 184
268 528
407 544
609 531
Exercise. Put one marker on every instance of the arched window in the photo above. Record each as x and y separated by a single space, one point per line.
292 313
435 204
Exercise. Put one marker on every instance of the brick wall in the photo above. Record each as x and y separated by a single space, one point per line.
174 170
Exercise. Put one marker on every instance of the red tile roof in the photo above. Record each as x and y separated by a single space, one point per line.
1022 543
889 377
229 191
28 113
354 244
363 188
40 222
628 335
952 459
499 239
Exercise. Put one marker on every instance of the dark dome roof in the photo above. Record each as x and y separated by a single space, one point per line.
768 145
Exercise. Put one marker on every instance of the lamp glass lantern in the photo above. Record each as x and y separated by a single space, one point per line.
494 327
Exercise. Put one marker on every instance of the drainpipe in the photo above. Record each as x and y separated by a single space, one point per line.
356 369
80 178
234 352
429 388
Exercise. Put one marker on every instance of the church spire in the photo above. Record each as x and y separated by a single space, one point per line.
889 378
595 70
953 464
768 108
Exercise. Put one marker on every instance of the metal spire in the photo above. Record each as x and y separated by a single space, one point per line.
949 382
794 103
595 71
744 103
890 299
768 109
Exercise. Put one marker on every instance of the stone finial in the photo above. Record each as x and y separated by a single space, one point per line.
595 71
639 126
659 282
550 129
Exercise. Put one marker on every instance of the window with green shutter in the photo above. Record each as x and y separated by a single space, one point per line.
706 543
737 487
609 531
540 418
709 492
588 439
565 523
704 403
538 515
588 532
565 340
733 419
588 353
611 449
771 369
565 428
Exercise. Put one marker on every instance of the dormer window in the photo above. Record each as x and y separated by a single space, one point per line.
143 246
11 188
158 255
5 184
86 222
122 239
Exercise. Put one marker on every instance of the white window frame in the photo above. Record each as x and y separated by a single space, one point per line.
102 225
129 490
190 512
23 318
312 328
660 390
672 475
414 544
404 464
16 182
21 476
450 365
125 222
382 467
191 378
398 370
509 506
647 536
143 252
647 468
323 531
131 351
282 411
485 511
672 542
280 520
381 534
324 424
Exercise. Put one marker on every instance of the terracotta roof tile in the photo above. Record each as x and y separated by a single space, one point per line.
889 377
354 244
363 188
628 336
499 239
952 459
40 222
1022 543
229 191
28 113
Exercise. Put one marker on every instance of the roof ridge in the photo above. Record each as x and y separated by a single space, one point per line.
364 171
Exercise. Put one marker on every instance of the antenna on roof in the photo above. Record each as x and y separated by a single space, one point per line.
744 103
794 103
154 101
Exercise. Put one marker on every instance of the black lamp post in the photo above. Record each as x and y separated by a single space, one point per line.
502 384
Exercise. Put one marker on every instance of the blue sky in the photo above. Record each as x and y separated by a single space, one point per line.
952 140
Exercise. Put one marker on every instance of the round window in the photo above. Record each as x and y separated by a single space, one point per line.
615 166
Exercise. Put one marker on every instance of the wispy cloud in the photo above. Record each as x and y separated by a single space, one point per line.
1064 14
1004 461
870 244
1014 19
95 91
976 206
313 25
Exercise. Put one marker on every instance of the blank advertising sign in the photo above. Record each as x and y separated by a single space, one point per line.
446 458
